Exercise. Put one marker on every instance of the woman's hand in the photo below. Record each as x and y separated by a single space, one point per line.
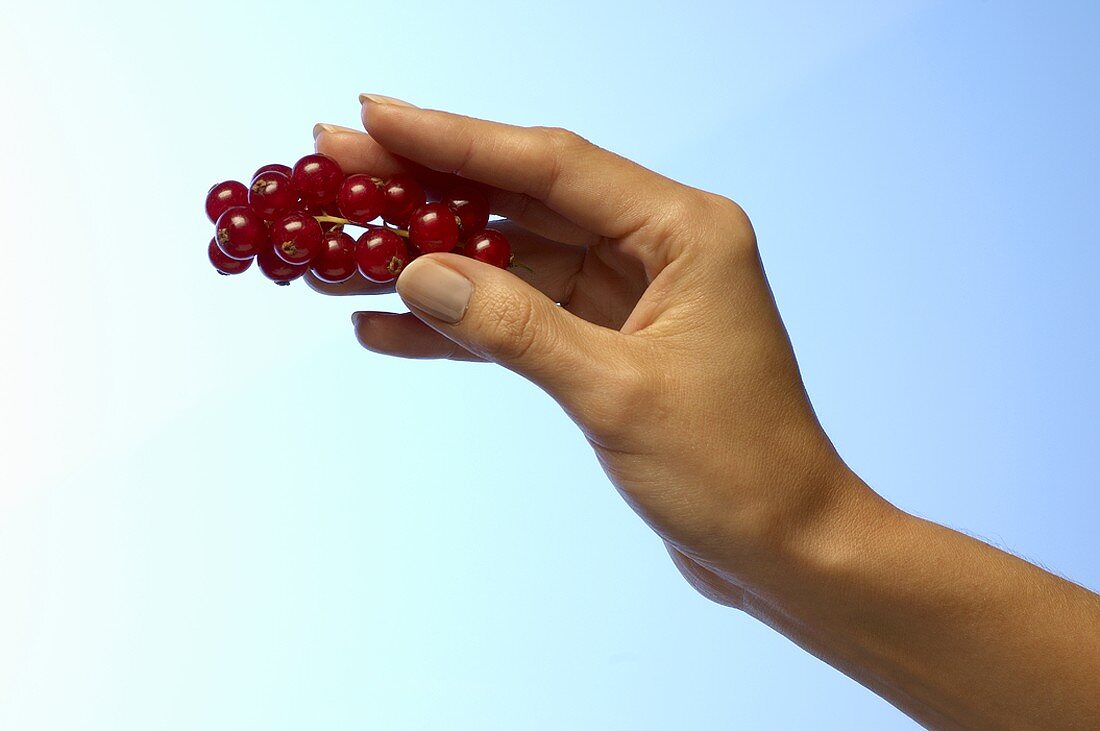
666 349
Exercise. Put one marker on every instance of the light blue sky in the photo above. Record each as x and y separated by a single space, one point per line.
217 512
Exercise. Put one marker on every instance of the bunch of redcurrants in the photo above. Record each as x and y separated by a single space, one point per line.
292 220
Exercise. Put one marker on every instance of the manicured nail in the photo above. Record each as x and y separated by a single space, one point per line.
379 99
332 129
439 291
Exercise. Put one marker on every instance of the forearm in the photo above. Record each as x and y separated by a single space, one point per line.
956 633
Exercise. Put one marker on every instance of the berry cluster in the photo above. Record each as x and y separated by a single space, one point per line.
291 220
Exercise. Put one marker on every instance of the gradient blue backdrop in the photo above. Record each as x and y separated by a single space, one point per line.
218 512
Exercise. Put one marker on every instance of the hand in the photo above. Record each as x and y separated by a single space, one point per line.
666 349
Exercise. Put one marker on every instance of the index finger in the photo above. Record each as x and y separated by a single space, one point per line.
358 152
596 189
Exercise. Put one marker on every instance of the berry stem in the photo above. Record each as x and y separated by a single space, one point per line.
335 219
346 222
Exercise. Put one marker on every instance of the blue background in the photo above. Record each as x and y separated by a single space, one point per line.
218 512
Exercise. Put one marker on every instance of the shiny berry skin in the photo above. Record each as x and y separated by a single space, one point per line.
241 233
471 204
433 227
381 255
224 196
403 196
223 263
274 167
317 179
297 238
276 269
272 195
337 262
489 246
360 200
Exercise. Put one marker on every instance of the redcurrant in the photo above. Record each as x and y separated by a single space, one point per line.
297 238
318 179
381 255
241 233
403 196
360 199
223 263
471 205
274 167
336 263
224 196
276 269
272 195
489 246
433 227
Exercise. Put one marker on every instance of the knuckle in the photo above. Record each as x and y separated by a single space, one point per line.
679 212
728 212
626 393
563 146
715 224
563 140
679 216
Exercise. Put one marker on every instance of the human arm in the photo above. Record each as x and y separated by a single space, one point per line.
648 317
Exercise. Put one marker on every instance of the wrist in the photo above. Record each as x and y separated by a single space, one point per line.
819 539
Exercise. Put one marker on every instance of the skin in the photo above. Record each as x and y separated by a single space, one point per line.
669 353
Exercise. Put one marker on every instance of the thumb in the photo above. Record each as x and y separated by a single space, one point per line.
501 318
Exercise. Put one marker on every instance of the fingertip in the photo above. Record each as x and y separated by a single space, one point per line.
327 143
377 108
364 333
324 128
383 100
357 152
403 335
360 323
367 113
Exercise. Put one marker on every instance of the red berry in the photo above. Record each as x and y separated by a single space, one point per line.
241 233
433 227
471 204
489 246
318 179
381 255
276 269
274 167
272 195
336 263
224 196
223 263
297 238
360 199
403 196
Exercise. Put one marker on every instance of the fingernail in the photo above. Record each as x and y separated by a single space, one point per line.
331 129
439 291
379 99
355 318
